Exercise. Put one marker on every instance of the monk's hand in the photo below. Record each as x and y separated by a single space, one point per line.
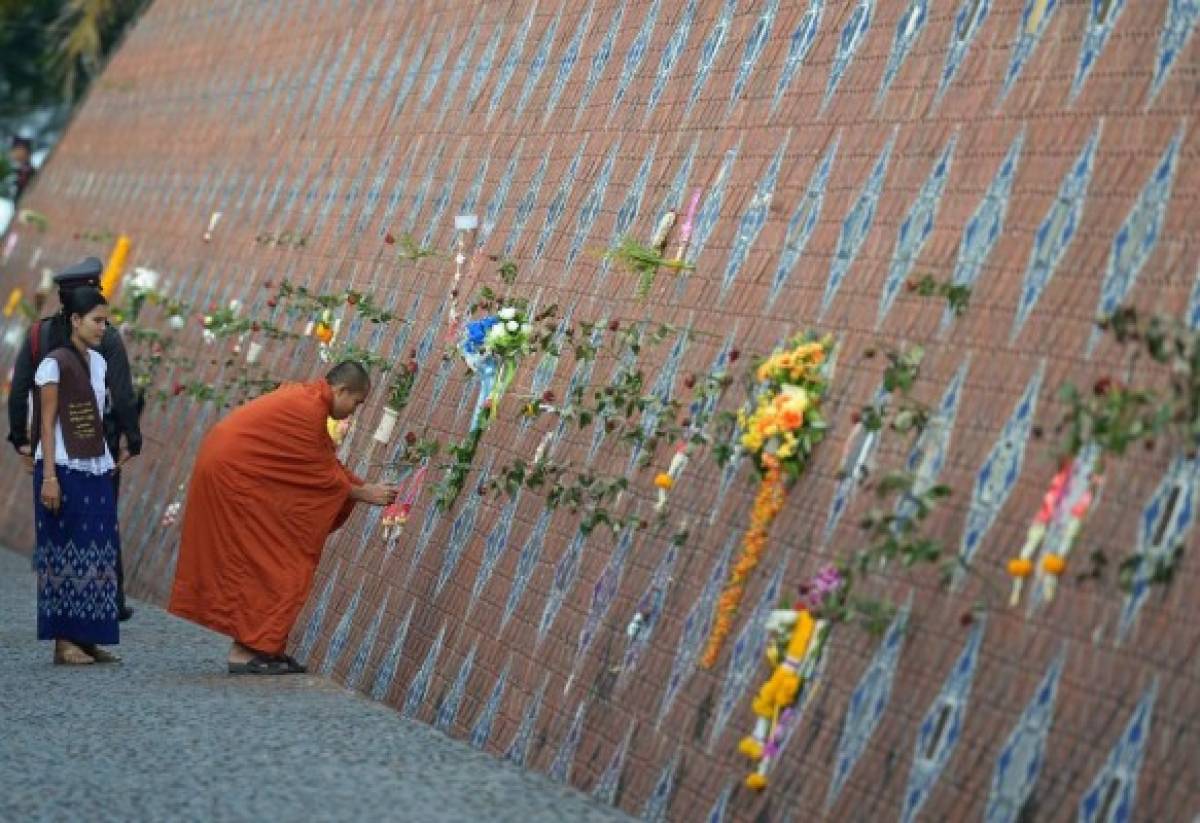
125 458
377 494
51 495
26 455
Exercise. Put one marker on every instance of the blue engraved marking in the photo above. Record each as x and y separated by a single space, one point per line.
560 767
317 618
447 713
483 69
358 667
419 687
635 56
443 198
983 229
411 75
1023 755
589 210
460 68
671 54
755 43
868 702
803 221
650 609
1182 16
540 58
655 810
610 779
341 634
391 661
857 224
566 63
518 750
492 213
436 68
418 200
1110 798
1137 237
509 67
854 34
1166 521
941 728
461 531
967 22
526 203
481 732
566 571
1028 36
1056 231
998 475
526 563
908 31
600 60
603 594
753 219
558 205
1102 18
708 53
915 229
494 545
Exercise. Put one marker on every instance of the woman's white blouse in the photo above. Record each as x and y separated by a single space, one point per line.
48 373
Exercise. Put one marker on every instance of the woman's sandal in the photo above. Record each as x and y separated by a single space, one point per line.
72 655
101 656
266 664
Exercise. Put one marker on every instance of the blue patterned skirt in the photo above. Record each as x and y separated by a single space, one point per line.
76 559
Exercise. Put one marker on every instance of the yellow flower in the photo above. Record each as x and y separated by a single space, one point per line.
756 782
1054 564
664 481
1019 567
751 748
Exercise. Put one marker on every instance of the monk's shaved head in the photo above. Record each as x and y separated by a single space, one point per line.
351 376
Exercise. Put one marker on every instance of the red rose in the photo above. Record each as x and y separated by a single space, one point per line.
411 365
613 325
272 303
912 285
410 438
547 396
268 285
352 299
966 619
178 389
686 422
1103 386
855 417
690 381
734 354
254 327
387 238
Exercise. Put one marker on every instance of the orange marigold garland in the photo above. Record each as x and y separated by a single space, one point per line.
781 433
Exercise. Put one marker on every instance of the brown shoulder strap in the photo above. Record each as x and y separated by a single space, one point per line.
35 342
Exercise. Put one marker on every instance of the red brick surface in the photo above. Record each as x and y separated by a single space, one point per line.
164 113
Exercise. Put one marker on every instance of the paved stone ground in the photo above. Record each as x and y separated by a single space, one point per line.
168 735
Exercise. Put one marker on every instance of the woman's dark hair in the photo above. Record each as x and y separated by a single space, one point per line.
81 301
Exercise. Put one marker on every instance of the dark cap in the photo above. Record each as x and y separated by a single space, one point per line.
22 143
84 273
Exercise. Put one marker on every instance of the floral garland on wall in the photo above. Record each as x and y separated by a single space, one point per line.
781 433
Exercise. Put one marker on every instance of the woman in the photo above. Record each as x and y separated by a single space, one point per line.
75 507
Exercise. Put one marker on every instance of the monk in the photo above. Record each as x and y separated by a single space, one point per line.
266 492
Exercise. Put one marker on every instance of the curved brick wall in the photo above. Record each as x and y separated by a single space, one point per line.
1005 143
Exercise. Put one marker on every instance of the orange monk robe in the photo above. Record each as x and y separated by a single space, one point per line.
266 492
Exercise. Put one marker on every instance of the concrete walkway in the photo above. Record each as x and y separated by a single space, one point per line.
168 736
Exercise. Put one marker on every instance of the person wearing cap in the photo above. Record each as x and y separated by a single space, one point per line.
20 155
122 409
